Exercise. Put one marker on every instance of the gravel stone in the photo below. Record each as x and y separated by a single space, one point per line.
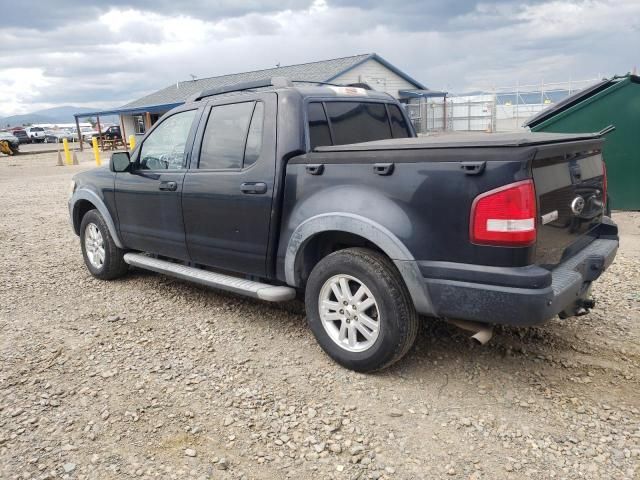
243 386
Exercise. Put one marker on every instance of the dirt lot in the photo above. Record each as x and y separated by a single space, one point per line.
151 377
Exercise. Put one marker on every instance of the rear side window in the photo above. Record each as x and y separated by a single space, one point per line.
319 133
225 136
354 122
399 127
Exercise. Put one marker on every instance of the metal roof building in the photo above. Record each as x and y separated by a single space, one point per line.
137 116
615 101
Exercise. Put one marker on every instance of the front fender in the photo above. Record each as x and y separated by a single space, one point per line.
83 193
366 228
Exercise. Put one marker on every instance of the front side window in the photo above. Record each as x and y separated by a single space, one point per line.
233 136
165 147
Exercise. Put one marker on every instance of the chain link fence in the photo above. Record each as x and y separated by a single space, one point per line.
503 109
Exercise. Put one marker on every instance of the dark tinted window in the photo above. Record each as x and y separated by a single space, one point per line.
254 138
318 126
225 135
353 122
399 127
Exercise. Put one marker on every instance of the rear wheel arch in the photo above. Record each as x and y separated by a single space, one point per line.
334 228
364 232
322 244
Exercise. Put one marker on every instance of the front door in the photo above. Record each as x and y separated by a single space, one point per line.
148 198
228 190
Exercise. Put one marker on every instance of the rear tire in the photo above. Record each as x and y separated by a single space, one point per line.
371 326
101 255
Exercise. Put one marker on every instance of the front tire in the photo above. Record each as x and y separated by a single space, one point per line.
101 255
359 309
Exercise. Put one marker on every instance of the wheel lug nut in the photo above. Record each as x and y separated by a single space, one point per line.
341 312
345 303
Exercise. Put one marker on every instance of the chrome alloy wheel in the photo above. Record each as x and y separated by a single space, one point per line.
94 245
349 313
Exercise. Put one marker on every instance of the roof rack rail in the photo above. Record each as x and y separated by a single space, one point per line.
317 82
366 86
239 87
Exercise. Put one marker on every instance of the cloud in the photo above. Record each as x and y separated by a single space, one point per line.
87 54
54 13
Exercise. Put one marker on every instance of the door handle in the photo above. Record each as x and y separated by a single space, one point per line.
383 169
255 188
168 186
473 168
315 169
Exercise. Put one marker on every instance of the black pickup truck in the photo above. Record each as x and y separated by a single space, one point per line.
275 188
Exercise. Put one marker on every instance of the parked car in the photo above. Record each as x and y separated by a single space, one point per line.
36 134
57 136
21 135
111 133
9 144
327 192
88 133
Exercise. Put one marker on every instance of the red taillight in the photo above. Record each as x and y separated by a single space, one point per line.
505 216
604 187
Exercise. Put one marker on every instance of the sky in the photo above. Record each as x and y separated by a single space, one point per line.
105 53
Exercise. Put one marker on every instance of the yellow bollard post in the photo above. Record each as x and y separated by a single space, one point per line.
67 153
96 152
132 142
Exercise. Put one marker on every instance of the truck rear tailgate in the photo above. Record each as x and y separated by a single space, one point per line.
570 183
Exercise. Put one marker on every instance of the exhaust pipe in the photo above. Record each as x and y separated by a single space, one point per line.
482 332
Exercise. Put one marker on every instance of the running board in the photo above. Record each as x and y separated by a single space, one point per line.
249 288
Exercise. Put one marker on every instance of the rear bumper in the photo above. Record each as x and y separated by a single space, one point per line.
520 296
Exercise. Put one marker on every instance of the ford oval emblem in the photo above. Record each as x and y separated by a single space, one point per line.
577 205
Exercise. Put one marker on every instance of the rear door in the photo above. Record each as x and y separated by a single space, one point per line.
570 185
148 197
228 189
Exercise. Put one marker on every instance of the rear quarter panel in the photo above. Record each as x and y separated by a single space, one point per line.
425 202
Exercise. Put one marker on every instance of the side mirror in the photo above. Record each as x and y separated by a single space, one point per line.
119 162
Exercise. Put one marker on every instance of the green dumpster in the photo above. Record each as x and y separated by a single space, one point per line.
616 102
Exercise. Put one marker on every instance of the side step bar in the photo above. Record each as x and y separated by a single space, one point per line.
263 291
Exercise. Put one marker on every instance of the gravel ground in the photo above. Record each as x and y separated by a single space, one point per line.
151 377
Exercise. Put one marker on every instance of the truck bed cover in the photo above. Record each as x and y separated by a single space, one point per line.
473 140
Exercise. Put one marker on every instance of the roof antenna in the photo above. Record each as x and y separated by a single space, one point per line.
193 77
278 65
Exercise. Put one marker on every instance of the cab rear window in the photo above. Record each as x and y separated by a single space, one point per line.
340 123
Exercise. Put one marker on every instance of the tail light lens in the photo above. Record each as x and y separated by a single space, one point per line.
505 216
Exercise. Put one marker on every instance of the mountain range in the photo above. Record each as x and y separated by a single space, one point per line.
62 114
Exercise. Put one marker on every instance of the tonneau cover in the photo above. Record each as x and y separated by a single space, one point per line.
463 140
